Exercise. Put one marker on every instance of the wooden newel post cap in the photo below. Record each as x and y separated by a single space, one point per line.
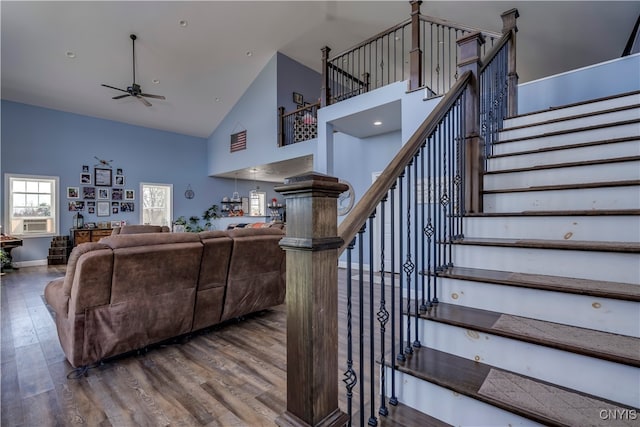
313 181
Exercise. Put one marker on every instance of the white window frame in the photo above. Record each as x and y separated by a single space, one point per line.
170 201
8 204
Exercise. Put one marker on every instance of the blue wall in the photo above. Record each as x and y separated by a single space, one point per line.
42 141
295 77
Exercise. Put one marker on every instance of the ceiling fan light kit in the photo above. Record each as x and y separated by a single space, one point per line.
134 90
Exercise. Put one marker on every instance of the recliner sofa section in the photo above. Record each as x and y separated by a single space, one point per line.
129 291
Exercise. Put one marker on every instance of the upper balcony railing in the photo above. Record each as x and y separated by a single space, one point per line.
421 50
298 125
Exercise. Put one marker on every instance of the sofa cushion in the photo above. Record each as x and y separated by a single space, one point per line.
139 228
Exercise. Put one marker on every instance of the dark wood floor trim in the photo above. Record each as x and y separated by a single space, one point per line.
575 104
592 212
600 289
610 161
566 146
570 131
567 186
484 321
628 247
574 117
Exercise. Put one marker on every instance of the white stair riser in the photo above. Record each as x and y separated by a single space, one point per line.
607 172
601 134
623 228
578 154
605 314
607 198
587 108
582 122
451 407
608 266
605 379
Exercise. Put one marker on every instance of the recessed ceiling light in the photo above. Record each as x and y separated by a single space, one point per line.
218 99
377 123
155 81
249 53
183 23
70 54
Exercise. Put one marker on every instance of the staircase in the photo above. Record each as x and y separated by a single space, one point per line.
539 320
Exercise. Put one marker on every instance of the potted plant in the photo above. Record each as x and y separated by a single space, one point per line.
5 260
210 215
179 225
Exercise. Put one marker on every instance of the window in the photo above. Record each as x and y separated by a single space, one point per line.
157 206
32 205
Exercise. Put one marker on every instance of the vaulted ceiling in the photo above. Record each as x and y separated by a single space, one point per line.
203 55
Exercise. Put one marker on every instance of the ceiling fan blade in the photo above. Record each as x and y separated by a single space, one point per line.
112 87
148 95
120 96
144 101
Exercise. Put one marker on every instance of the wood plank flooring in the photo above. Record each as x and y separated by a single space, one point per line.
229 375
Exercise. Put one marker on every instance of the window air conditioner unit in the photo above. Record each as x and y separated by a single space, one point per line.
34 226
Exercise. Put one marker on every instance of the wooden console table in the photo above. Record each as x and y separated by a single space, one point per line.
84 235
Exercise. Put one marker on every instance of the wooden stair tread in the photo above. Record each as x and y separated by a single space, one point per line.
468 377
569 131
590 212
580 245
402 416
566 186
565 165
574 117
597 288
566 146
588 342
575 104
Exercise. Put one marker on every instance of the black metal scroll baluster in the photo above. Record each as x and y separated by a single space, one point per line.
373 421
400 357
383 314
428 229
409 266
424 197
350 378
444 196
393 400
416 305
361 318
436 211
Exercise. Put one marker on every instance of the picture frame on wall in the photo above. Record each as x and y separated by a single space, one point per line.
102 177
117 194
103 194
85 169
119 180
73 193
129 194
85 178
298 99
76 206
89 193
127 207
102 208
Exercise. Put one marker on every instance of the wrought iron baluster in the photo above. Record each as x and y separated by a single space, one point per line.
383 314
373 421
393 400
424 197
350 379
428 229
408 266
361 318
400 357
416 340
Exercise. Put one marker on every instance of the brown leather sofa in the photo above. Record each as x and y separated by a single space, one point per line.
129 291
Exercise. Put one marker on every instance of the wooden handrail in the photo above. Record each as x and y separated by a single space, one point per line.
347 75
495 49
348 229
456 26
371 39
301 109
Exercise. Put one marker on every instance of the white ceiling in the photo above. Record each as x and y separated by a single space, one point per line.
204 68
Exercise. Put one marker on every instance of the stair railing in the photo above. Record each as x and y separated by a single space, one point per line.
421 50
298 125
433 181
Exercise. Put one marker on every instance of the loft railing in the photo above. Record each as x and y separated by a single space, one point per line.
392 267
298 125
421 49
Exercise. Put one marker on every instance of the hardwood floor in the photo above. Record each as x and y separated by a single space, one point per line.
229 375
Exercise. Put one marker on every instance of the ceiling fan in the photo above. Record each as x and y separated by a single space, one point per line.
135 90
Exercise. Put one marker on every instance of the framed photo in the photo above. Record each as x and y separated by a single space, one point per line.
90 225
102 208
85 178
119 171
117 194
119 180
76 206
91 210
129 194
73 193
89 193
103 194
297 98
115 207
102 177
85 169
127 207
